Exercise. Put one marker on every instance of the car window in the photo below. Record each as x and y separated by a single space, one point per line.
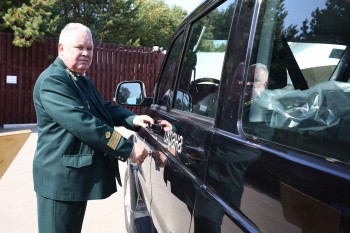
297 90
168 74
202 65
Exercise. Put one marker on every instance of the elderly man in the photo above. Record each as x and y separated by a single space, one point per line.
77 153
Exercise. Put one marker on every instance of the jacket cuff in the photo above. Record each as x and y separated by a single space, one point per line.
124 150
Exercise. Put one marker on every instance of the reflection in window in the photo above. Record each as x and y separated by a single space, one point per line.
169 73
130 93
201 69
305 102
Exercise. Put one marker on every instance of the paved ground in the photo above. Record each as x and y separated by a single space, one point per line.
18 201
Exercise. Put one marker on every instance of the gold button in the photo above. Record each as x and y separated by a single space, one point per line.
108 134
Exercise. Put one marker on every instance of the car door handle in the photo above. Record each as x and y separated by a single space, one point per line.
194 152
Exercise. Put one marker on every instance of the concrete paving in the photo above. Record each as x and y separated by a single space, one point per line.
18 201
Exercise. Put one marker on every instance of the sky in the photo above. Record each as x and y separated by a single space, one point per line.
188 5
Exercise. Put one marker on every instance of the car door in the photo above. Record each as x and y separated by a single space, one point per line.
166 175
218 201
286 100
260 143
186 98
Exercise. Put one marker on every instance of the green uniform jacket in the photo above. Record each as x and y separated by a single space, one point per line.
77 153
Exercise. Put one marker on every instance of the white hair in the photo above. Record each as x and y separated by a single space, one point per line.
261 67
66 32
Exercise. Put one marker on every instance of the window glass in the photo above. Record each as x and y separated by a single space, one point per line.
201 70
297 85
167 79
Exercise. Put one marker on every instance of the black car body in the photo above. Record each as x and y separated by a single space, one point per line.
245 153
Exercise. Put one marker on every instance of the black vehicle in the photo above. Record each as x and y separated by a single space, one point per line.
253 111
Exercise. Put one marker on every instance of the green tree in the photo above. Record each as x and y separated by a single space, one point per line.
109 20
213 27
134 22
117 22
6 5
31 22
156 22
326 21
124 94
221 21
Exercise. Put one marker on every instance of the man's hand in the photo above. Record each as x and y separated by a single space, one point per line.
166 126
143 121
139 153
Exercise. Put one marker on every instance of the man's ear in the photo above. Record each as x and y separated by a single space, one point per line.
60 49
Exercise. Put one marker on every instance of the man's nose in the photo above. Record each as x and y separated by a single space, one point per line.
85 52
250 84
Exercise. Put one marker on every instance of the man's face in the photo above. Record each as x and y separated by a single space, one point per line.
260 82
77 52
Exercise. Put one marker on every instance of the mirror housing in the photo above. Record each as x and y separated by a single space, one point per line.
132 93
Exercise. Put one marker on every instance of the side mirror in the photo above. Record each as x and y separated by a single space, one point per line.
183 100
131 93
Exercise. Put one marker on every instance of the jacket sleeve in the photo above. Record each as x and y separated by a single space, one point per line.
63 104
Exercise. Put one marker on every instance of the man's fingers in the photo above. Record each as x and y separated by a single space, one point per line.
142 124
148 119
143 120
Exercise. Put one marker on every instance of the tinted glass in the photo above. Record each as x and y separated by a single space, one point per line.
297 85
201 70
167 79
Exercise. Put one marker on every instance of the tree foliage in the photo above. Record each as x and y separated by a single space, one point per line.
124 94
117 22
134 22
326 21
4 6
30 22
323 22
156 22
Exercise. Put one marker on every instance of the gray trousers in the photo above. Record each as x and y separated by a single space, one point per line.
60 216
